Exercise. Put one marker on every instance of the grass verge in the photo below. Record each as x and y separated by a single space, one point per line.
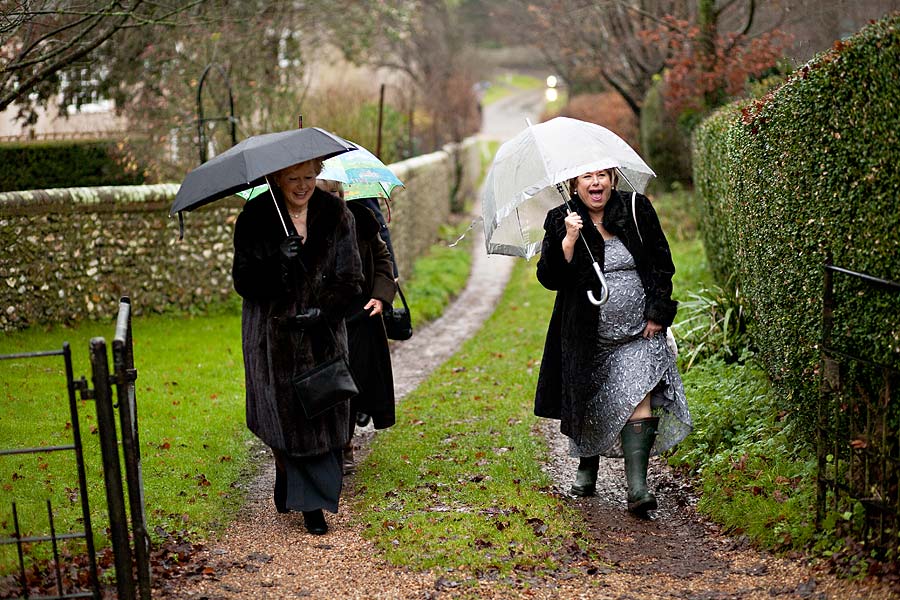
439 276
457 484
194 444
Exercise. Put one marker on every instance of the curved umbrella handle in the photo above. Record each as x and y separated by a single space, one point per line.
604 289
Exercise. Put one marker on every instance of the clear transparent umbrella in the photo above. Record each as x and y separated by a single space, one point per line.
527 176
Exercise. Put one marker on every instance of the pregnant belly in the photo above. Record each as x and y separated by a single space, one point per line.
622 317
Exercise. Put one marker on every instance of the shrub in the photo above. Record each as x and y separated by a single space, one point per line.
45 165
607 109
352 112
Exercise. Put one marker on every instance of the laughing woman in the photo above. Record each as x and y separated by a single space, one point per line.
296 288
607 372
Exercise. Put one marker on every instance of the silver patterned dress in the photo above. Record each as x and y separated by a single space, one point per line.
627 366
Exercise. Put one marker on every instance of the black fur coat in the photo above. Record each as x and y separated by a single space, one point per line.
327 275
564 380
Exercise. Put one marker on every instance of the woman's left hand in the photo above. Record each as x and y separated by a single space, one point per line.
376 305
652 329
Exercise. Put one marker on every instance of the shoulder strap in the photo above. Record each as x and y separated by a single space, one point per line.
634 216
402 297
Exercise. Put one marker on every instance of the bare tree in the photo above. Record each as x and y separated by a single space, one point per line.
622 44
598 45
47 47
424 40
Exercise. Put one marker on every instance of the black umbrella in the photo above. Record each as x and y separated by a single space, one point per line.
247 164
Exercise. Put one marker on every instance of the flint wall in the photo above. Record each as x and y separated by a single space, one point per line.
70 254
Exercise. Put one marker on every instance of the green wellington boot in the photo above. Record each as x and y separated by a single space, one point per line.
586 477
637 439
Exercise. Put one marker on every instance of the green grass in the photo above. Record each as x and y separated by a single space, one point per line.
190 403
438 276
453 485
456 484
755 479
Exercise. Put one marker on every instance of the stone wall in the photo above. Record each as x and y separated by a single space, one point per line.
70 254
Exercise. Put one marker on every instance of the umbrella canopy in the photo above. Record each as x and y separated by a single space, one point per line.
527 168
363 173
245 165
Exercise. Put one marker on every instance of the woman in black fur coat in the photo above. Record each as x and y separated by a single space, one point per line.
296 288
607 373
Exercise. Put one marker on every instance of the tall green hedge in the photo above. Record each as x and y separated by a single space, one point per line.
812 168
64 164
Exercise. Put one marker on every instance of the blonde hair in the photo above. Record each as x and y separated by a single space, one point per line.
331 186
317 164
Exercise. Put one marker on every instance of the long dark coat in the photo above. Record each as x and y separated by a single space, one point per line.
370 357
326 276
564 379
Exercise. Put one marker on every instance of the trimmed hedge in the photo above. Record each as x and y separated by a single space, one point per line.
809 169
64 164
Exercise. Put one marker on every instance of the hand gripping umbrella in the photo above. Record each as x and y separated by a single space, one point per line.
248 163
528 173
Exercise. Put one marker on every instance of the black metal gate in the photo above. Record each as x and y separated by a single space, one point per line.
859 419
132 569
54 537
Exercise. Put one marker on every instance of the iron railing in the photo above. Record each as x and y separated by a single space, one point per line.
858 419
54 538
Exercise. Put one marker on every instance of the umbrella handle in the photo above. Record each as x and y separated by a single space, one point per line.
604 289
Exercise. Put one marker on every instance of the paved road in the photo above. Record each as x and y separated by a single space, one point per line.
505 118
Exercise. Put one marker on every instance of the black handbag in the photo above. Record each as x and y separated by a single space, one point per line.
325 386
397 321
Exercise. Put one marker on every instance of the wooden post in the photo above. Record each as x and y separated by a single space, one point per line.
380 120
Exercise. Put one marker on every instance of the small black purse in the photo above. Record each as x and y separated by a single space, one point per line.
397 321
325 386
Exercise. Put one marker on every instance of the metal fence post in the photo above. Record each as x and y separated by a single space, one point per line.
125 376
112 474
82 476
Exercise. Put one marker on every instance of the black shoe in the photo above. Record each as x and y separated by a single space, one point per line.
315 522
362 419
280 495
